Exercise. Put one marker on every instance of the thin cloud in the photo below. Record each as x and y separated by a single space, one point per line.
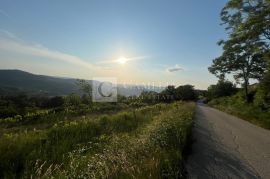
8 34
174 69
40 51
2 12
127 59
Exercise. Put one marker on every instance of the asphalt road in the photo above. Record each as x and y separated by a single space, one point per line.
227 147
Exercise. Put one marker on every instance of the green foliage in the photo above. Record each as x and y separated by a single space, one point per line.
23 105
243 52
246 55
85 87
254 112
168 95
185 93
264 87
72 100
260 99
222 88
151 151
65 146
243 59
248 18
149 97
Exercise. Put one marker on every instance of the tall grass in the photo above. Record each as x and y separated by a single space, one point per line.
153 150
142 143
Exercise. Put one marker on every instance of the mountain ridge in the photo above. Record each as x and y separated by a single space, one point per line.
15 81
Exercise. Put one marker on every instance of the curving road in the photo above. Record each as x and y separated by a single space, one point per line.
227 147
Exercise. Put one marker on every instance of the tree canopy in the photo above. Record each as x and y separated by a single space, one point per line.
222 88
247 23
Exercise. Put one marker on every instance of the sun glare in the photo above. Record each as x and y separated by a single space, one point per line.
122 60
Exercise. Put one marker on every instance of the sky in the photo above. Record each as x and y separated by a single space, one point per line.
136 41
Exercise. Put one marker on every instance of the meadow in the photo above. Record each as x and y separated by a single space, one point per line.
127 142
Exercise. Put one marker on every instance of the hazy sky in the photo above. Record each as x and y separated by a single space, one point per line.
157 41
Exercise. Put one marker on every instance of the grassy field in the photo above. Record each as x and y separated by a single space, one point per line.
146 142
250 112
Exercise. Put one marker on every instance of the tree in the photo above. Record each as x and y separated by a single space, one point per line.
186 93
222 88
244 50
85 87
250 18
243 60
168 95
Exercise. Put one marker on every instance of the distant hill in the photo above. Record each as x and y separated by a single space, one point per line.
13 82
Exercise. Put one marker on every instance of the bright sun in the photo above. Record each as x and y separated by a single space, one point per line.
122 60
